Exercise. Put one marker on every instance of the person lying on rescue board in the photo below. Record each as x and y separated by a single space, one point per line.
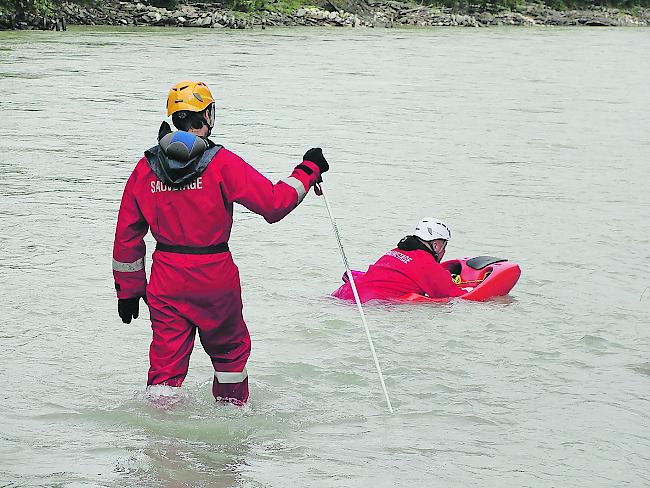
412 267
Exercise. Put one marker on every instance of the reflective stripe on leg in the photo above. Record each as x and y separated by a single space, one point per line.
225 377
235 393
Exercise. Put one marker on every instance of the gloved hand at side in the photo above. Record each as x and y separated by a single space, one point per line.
129 308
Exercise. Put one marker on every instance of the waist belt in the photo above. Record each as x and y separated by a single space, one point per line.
216 249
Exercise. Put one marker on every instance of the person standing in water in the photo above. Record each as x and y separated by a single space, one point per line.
183 191
412 267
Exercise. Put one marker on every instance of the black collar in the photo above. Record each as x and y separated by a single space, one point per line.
412 243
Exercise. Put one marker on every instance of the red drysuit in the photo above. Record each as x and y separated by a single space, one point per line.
399 272
195 286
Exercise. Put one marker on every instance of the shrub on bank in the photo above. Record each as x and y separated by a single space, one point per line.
168 4
471 6
282 6
55 14
38 7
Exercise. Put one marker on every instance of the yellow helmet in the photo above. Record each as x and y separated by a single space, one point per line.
193 96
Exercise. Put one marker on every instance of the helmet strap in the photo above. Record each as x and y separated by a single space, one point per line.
207 118
435 254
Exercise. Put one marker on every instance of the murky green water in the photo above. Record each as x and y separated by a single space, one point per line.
532 143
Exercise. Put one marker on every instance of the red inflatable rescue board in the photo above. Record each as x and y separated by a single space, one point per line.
481 277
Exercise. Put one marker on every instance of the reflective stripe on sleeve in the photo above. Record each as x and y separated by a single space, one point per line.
297 185
229 377
128 267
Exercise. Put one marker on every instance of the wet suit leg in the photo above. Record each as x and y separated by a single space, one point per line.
171 345
227 342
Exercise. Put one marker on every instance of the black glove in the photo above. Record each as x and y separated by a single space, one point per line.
129 308
315 155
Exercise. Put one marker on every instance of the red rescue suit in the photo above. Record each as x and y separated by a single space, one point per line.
201 291
399 272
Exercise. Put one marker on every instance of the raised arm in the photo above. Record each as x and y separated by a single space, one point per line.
245 185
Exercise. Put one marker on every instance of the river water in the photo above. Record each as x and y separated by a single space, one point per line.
531 143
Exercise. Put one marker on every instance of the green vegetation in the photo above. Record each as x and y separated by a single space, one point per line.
476 5
498 5
27 8
37 7
168 4
469 6
280 6
24 8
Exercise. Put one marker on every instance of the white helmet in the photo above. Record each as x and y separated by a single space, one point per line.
430 228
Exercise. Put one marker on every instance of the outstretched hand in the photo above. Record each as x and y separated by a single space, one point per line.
315 155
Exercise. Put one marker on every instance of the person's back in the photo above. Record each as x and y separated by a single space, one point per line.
200 213
183 190
412 267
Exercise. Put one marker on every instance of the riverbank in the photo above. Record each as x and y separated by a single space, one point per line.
373 13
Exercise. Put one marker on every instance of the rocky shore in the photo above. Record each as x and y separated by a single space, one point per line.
372 13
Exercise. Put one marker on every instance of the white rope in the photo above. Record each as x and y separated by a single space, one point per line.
356 297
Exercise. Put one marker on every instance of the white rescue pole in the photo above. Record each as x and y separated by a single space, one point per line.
356 296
